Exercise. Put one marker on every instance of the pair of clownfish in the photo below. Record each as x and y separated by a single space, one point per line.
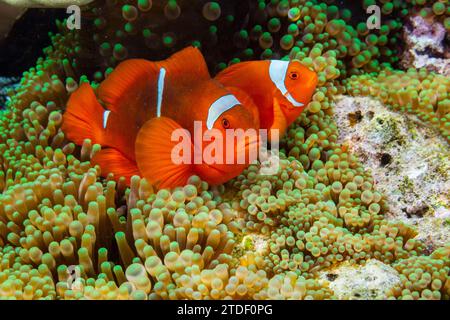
134 112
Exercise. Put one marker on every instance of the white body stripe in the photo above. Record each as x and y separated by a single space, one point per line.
219 107
105 118
161 79
278 71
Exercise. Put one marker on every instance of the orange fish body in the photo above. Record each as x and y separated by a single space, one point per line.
136 110
280 89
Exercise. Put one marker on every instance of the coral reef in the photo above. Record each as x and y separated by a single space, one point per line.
256 237
426 46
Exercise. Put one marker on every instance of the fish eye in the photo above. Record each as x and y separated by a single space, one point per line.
293 75
226 123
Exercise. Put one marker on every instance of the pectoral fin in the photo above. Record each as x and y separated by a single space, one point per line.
164 153
113 161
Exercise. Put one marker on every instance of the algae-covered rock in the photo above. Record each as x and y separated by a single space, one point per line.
409 162
355 282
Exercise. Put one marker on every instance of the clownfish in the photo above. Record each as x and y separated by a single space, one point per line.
280 89
136 110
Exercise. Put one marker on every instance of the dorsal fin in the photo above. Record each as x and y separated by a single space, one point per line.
113 161
130 85
133 82
242 74
186 66
155 153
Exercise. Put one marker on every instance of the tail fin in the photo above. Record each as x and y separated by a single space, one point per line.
83 118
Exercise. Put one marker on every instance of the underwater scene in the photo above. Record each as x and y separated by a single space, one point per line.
224 150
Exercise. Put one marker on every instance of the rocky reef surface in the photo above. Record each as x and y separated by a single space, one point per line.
371 281
410 163
426 45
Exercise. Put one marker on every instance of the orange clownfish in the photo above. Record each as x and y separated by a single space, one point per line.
280 89
135 112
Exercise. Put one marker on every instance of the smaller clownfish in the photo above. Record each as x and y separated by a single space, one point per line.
135 112
280 89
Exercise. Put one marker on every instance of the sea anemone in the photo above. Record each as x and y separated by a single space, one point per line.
321 208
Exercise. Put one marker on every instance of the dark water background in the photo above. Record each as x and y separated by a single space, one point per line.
24 44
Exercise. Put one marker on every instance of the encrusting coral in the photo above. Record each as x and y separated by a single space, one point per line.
196 242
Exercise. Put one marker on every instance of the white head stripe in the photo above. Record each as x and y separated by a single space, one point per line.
105 118
277 72
294 102
220 106
161 79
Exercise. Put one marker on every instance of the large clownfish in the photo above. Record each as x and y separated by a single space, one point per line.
280 89
135 111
